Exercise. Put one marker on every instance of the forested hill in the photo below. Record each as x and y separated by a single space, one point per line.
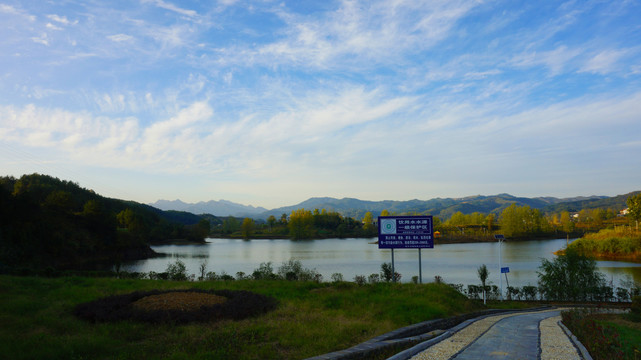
443 208
50 223
615 202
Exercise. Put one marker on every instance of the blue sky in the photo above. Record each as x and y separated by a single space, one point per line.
272 102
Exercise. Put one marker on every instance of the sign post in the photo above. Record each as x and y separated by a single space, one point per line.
506 270
405 232
500 238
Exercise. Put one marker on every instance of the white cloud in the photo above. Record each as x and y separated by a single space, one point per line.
8 9
370 32
42 39
556 60
60 19
120 37
604 62
171 7
51 26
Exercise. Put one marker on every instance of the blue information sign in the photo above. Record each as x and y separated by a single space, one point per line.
505 270
405 232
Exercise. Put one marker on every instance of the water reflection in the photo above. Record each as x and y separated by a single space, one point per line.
455 263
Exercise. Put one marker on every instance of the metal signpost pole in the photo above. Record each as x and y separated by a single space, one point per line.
420 268
500 238
393 270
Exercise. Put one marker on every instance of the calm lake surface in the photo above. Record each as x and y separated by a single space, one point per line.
455 263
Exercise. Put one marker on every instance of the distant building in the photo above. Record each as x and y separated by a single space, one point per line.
624 212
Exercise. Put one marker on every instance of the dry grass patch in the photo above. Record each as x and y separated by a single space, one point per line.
184 301
177 306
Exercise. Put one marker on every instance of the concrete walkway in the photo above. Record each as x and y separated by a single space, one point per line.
533 335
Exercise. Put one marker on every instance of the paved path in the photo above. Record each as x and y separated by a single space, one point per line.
535 335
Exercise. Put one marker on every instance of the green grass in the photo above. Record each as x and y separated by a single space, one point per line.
629 333
311 319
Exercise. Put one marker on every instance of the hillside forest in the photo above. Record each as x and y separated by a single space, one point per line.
49 223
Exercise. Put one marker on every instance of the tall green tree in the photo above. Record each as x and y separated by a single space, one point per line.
247 228
566 222
634 207
301 224
271 221
230 225
571 276
368 223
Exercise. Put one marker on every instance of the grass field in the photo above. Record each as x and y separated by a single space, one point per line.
311 319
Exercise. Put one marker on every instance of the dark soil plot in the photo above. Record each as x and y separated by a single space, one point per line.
177 306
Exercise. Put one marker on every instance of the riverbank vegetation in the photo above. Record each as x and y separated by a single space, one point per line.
623 243
300 224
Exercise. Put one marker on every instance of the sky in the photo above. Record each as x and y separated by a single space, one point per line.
270 103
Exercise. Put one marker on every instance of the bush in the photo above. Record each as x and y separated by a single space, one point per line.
293 270
529 292
265 271
513 293
360 279
622 294
337 277
473 291
374 278
177 271
386 272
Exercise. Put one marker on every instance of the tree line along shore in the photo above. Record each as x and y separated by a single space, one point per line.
47 222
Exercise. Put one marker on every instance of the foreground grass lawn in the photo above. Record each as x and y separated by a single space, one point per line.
311 319
629 332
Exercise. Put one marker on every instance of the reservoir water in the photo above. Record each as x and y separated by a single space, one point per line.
454 263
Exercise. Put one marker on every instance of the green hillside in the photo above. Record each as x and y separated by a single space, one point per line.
46 222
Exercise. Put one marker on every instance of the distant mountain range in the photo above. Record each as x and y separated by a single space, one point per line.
441 207
216 208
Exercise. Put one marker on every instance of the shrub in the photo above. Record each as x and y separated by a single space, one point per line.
374 278
622 294
529 292
360 279
177 271
293 270
386 272
265 271
337 277
513 293
212 276
473 291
